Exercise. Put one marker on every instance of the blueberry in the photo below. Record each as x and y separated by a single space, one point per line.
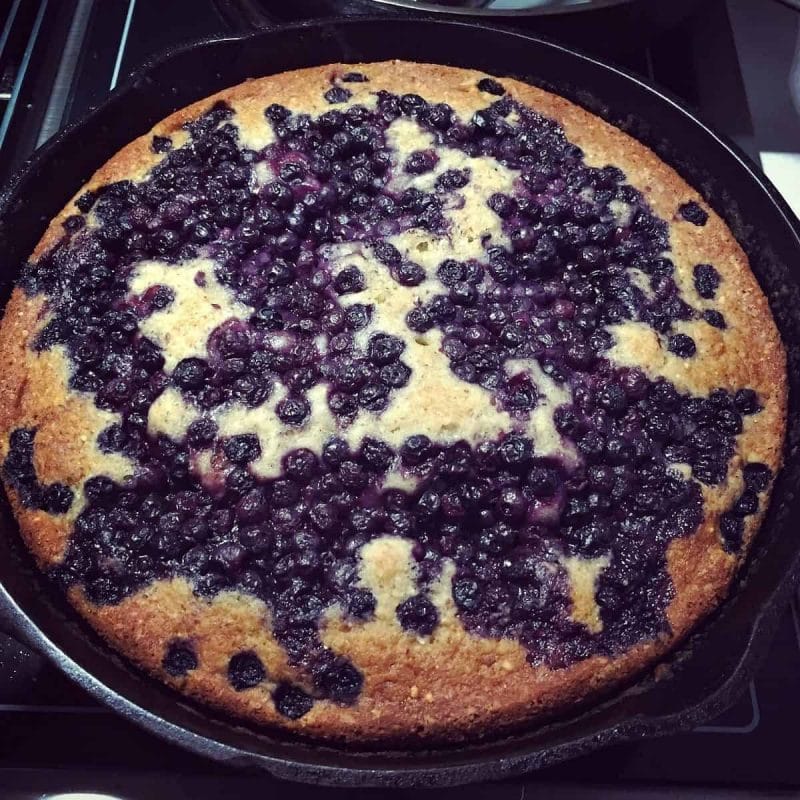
360 603
502 205
277 194
349 280
429 503
395 375
418 614
543 481
516 450
682 345
490 86
74 223
746 504
378 455
466 594
338 94
384 349
757 476
440 116
714 318
293 410
291 701
441 309
354 77
412 104
161 144
497 538
511 504
706 280
300 464
342 404
179 658
267 319
693 213
729 421
409 274
335 451
100 490
358 316
57 498
190 373
419 320
452 179
420 161
373 396
242 449
86 201
245 671
284 493
451 272
387 253
746 401
292 171
463 294
612 397
415 449
340 681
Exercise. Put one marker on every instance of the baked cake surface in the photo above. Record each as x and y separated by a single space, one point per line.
389 402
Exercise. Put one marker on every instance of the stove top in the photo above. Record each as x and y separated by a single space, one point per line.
732 59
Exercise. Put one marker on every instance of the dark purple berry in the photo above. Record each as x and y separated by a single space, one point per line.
291 701
349 280
179 659
693 213
190 373
491 86
682 345
360 603
242 449
409 274
452 179
418 614
338 94
757 476
714 318
746 504
384 349
293 410
746 401
421 161
706 280
245 671
161 144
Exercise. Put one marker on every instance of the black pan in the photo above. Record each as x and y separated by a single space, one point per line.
707 673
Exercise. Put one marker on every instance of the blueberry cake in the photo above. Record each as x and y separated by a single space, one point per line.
389 402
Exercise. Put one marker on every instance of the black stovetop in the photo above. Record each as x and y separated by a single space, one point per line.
58 58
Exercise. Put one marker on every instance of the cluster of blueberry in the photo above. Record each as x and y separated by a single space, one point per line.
19 471
503 514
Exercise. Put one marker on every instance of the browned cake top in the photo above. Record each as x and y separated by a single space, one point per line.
389 400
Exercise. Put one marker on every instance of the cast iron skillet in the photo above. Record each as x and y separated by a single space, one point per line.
707 673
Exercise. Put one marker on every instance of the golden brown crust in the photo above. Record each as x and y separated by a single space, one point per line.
453 684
